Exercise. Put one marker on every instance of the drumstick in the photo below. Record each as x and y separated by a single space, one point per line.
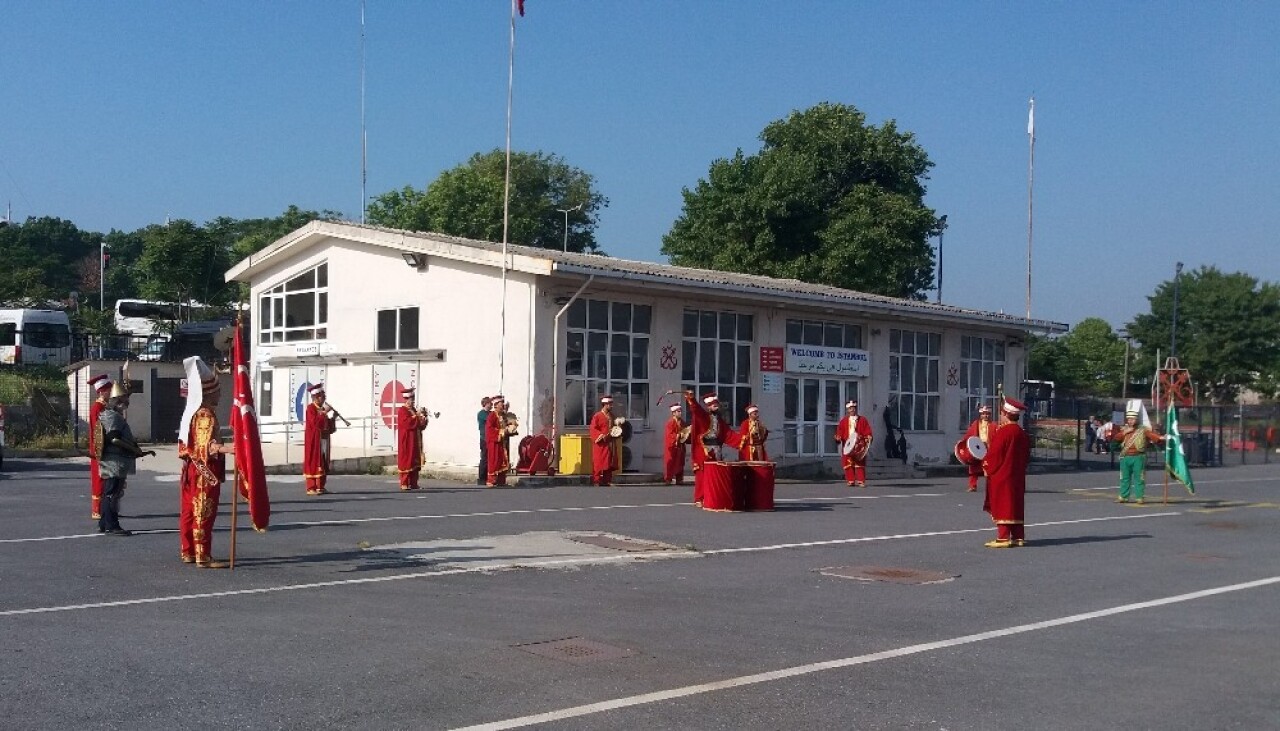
659 401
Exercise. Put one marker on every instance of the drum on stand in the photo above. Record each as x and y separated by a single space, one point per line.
971 451
759 485
717 486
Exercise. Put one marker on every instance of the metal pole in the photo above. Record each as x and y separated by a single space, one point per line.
942 229
1124 387
102 288
1173 338
566 212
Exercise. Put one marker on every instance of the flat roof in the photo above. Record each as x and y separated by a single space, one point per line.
574 266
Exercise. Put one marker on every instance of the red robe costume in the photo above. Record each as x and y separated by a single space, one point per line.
95 480
315 448
673 453
976 430
495 439
604 449
855 471
707 438
202 476
409 426
751 442
1006 468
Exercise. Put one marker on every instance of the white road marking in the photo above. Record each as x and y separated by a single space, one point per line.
928 534
536 564
817 667
485 514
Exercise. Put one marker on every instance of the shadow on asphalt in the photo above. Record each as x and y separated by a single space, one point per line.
806 507
42 465
1076 540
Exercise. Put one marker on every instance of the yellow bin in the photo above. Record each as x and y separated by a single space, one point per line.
575 454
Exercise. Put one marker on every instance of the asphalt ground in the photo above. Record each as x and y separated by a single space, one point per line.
374 609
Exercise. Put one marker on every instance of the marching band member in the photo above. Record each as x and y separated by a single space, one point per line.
409 425
858 428
673 452
1132 439
498 462
981 428
1006 468
203 465
320 423
754 434
101 384
708 435
605 447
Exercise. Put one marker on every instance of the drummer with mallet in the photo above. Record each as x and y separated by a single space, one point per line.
981 429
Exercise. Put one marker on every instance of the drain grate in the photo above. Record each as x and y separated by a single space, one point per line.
887 573
576 650
620 543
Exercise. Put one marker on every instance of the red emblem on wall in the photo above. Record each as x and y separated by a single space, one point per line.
389 402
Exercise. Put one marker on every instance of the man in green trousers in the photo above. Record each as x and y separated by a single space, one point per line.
1131 442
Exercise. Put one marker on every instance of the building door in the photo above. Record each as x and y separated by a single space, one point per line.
167 405
388 380
300 379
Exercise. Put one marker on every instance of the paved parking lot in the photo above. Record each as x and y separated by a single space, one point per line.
590 608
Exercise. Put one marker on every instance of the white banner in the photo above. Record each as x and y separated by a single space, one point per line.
820 361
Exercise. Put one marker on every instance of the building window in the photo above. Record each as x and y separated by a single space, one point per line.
717 357
811 410
913 379
826 334
981 374
608 353
296 310
264 392
398 329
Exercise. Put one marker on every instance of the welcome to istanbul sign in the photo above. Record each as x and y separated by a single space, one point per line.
820 361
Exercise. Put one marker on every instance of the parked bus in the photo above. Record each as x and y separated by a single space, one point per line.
140 317
35 337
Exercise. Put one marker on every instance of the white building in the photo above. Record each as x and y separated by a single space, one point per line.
363 308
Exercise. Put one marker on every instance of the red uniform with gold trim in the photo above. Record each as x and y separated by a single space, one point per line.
855 470
316 455
982 430
95 480
673 452
752 435
604 449
708 435
409 425
203 473
1006 468
495 437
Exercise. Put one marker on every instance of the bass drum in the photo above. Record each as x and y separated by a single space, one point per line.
971 451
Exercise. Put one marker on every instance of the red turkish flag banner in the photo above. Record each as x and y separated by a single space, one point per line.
247 439
520 7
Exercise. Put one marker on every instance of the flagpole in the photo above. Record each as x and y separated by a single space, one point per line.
235 511
1031 177
364 138
506 200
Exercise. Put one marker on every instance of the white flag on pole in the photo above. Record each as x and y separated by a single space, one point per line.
1031 118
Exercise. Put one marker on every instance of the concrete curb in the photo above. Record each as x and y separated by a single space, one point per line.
42 453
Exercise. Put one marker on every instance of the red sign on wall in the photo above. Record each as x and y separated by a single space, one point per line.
771 359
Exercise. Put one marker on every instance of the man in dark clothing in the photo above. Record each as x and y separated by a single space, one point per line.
119 451
481 418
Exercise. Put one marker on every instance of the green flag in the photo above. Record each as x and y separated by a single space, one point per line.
1175 459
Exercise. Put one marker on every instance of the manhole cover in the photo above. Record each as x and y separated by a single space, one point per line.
576 650
1222 525
887 573
620 543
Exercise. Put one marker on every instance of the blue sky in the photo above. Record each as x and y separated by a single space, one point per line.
1158 124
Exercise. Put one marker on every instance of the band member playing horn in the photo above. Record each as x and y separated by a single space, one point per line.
101 384
409 425
320 423
853 433
981 428
498 461
708 436
203 465
606 444
677 435
1006 468
753 435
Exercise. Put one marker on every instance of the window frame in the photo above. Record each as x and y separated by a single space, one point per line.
398 331
989 382
915 407
607 345
703 350
273 308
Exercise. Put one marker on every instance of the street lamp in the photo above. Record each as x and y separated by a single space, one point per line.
1173 338
1124 385
102 287
566 212
942 227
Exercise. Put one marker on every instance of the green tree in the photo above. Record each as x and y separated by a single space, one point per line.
182 262
1093 358
1045 360
467 201
41 259
1228 329
828 199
